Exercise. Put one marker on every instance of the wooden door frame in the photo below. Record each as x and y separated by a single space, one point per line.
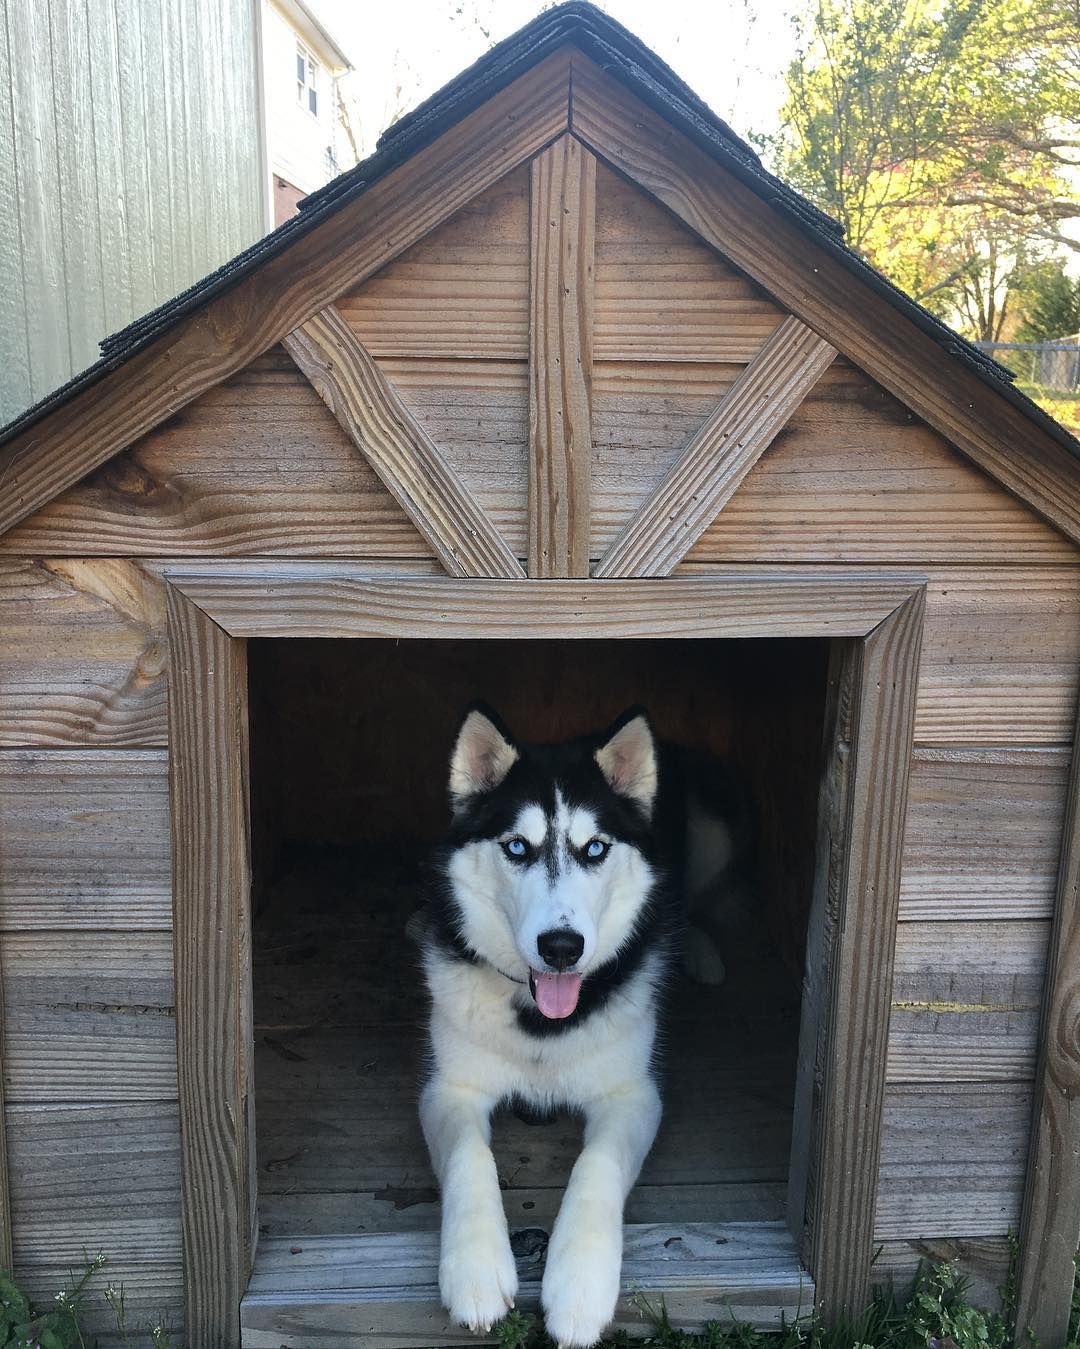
874 622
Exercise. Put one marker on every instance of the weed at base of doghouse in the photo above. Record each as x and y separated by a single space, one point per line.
936 1315
25 1326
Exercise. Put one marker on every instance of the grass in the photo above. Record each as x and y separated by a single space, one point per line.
936 1315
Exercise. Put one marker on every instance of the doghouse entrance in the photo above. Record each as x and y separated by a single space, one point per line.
366 1288
349 748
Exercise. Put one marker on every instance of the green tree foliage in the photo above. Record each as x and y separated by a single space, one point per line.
945 136
1051 302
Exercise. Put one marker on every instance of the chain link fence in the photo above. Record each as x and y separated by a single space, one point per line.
1054 366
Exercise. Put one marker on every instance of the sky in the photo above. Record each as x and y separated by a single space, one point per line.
731 52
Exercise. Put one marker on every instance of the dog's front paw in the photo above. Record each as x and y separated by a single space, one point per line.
581 1286
478 1277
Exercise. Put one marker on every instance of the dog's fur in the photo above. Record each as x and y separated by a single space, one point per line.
545 970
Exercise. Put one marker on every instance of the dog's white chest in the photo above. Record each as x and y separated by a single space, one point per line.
478 1042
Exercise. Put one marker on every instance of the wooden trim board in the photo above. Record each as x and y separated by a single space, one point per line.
320 600
1050 1219
877 624
398 448
5 1190
720 454
562 247
875 728
807 279
208 782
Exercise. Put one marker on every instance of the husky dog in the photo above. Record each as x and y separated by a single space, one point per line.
554 921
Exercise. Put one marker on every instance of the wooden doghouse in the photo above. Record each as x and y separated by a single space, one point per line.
563 396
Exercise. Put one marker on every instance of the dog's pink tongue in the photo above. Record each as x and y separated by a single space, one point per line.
556 994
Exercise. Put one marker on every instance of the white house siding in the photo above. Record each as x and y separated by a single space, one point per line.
130 166
298 141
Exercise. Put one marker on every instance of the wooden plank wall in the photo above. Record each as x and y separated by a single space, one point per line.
854 480
89 1048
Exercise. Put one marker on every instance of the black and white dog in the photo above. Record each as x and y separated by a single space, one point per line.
560 895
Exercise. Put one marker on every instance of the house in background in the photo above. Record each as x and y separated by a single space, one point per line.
301 66
131 164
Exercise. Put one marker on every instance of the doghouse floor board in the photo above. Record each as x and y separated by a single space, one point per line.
342 1166
379 1292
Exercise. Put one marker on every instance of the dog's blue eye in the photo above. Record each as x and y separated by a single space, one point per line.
516 848
596 848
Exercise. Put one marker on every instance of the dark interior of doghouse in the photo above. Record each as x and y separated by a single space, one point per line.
349 749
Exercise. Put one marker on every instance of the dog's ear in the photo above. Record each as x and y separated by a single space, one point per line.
627 758
484 753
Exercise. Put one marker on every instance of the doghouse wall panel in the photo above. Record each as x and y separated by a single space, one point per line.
856 477
82 661
256 466
86 960
259 466
461 291
983 832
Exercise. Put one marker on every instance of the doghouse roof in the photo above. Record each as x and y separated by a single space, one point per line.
157 364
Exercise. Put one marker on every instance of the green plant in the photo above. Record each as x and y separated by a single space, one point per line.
1074 1317
23 1326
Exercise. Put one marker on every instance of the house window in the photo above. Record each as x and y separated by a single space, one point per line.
307 88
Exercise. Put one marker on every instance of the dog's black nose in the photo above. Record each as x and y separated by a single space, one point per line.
560 947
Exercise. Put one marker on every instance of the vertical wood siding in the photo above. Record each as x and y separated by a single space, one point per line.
129 167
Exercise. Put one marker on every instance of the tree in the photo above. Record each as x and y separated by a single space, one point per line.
941 134
1051 305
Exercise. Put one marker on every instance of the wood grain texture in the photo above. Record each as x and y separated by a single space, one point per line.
803 276
407 461
1001 660
831 835
644 413
952 1159
82 654
477 412
562 238
364 1135
878 686
344 249
336 1211
661 294
1001 653
256 465
362 1292
853 477
983 1262
89 1017
84 840
314 600
983 832
211 884
720 454
94 1177
965 1001
1050 1221
459 293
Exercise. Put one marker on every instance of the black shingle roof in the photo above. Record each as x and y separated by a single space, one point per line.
631 62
